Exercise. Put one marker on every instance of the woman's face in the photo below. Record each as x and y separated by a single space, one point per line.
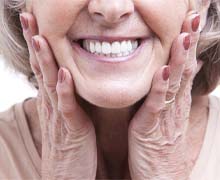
111 84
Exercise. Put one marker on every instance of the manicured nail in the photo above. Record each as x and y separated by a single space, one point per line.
195 23
61 76
187 42
35 44
24 22
166 73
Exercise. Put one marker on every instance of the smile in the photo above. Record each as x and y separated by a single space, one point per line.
109 50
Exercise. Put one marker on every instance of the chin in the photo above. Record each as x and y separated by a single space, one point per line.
113 98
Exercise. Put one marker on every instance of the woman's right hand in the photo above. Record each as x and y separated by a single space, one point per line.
68 136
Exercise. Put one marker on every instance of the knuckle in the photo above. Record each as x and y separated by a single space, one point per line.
45 61
159 90
179 62
189 71
47 110
173 88
39 96
63 93
50 86
152 107
66 111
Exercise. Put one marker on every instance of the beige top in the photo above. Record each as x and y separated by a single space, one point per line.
19 158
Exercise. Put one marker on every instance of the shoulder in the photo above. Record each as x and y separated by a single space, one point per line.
10 132
9 141
16 147
8 124
7 115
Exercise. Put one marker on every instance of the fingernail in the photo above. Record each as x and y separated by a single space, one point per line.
61 76
35 44
24 22
195 23
187 42
166 73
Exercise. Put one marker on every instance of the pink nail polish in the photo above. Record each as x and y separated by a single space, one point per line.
187 42
35 44
166 73
195 23
24 22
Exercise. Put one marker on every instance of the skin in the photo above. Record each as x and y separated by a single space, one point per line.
162 22
118 79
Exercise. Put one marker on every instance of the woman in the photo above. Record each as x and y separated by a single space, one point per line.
123 89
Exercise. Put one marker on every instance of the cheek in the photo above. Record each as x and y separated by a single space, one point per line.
165 18
55 17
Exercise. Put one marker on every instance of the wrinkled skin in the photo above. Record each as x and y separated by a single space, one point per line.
160 21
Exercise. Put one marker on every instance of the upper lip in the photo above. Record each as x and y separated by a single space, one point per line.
110 38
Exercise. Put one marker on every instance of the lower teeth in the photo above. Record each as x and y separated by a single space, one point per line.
112 55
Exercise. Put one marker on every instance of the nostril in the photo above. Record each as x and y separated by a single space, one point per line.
124 16
98 14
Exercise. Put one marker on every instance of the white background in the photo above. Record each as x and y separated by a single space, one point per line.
14 88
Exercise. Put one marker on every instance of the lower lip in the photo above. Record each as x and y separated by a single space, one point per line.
105 59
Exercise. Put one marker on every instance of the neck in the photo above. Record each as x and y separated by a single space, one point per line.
111 125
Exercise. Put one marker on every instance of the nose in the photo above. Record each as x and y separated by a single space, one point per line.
108 12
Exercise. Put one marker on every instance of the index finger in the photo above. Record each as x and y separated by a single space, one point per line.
48 67
30 29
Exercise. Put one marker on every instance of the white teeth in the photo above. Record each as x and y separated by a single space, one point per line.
106 48
134 44
124 47
98 47
92 47
114 49
129 46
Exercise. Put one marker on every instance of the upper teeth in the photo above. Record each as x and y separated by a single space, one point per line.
114 49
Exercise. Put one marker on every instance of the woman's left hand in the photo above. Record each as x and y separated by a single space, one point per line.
157 132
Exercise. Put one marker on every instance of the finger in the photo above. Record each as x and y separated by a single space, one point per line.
146 119
191 25
47 105
48 67
75 118
30 29
178 58
44 112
